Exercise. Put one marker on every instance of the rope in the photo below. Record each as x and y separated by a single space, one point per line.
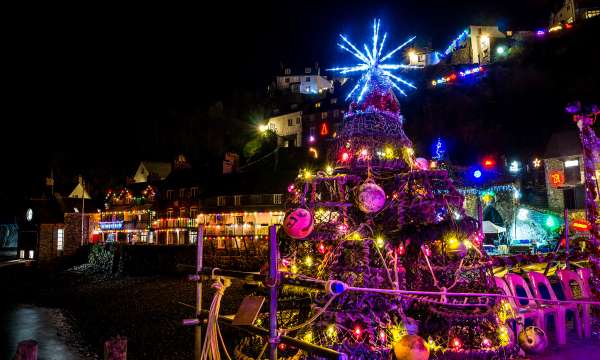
210 349
451 294
313 318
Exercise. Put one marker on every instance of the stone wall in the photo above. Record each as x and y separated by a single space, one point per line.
48 242
48 237
555 195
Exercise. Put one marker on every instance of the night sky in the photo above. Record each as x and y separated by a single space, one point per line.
81 81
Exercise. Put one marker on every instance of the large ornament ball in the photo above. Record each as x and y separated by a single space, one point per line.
422 163
411 347
298 224
371 198
533 340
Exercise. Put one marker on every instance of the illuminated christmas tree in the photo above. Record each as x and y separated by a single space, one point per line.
388 226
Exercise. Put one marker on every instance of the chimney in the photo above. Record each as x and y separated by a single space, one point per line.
230 163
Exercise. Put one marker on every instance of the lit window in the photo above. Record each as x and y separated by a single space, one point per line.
307 71
572 172
193 192
192 237
591 13
60 239
237 200
144 237
220 200
169 213
22 254
182 212
324 115
220 242
288 71
277 198
317 105
31 253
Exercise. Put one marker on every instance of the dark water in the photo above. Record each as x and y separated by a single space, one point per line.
47 326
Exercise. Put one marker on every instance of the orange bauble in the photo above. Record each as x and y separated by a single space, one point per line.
411 347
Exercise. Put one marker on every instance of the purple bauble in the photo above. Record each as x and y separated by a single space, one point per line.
371 197
422 163
298 224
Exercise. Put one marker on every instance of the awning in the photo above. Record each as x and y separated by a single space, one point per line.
491 228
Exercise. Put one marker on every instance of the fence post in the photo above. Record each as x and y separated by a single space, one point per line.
272 283
27 350
115 348
198 329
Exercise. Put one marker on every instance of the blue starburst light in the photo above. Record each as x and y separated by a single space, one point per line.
375 72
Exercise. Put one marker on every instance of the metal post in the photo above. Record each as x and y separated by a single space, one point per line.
272 283
480 214
567 236
198 329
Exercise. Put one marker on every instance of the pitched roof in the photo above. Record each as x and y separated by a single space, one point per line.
162 169
565 143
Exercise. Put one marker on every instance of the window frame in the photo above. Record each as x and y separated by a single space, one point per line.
60 240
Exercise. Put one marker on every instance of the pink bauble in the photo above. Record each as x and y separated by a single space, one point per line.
371 197
298 224
422 163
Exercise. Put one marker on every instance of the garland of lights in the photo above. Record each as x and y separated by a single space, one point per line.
461 74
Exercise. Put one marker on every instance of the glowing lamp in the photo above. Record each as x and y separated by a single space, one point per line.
456 344
379 242
281 346
263 128
382 335
401 250
477 174
540 33
345 156
311 139
329 170
486 343
568 26
489 163
523 214
357 331
321 248
550 222
308 261
537 163
514 167
364 152
571 163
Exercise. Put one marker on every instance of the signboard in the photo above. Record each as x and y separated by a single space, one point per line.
556 178
111 225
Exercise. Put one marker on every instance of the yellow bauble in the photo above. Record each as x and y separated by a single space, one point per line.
411 347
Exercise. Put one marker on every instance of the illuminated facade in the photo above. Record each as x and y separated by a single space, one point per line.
128 216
